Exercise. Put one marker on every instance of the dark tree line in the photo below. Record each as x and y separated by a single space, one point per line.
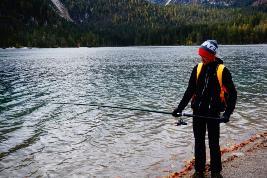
126 22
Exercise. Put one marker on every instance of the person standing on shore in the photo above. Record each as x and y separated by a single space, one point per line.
212 91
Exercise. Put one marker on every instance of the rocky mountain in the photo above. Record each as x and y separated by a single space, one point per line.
64 23
62 10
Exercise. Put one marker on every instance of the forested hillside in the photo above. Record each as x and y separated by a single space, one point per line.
127 22
229 3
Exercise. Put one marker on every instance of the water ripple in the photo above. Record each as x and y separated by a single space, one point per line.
41 139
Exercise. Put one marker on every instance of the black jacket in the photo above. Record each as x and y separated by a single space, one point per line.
206 90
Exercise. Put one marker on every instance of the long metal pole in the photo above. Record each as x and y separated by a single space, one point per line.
203 117
135 109
116 107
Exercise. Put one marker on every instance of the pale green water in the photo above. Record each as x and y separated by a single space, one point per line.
38 138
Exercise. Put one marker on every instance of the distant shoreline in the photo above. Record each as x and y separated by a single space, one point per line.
149 46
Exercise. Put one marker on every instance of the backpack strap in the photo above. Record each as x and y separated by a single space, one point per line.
219 77
199 67
219 74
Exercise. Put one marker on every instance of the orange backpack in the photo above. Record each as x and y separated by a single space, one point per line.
223 90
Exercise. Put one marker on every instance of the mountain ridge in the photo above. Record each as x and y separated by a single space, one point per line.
68 23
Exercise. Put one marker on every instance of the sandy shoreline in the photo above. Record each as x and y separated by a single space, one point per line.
247 160
253 164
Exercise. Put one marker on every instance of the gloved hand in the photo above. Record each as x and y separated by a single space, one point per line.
177 113
225 118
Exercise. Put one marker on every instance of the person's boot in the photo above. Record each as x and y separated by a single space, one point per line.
198 175
216 175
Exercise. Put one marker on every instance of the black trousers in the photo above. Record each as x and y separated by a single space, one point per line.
199 129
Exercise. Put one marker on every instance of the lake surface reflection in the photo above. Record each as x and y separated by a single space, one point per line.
39 138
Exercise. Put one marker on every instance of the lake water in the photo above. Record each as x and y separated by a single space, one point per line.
40 138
